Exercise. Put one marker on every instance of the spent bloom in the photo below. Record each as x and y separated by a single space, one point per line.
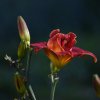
61 49
19 83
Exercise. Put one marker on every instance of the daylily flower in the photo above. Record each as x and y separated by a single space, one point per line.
96 84
60 48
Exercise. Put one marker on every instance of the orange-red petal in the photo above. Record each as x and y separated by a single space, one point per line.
38 46
80 52
64 60
71 40
52 56
53 43
58 60
54 32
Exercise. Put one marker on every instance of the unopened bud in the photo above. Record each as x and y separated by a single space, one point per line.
23 30
96 84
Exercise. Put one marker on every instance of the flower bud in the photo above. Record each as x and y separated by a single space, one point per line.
23 30
21 50
19 83
96 84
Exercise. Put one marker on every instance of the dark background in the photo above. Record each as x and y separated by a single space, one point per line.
79 16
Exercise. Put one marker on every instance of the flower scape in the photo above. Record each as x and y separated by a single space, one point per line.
60 49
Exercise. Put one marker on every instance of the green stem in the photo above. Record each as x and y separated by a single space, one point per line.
54 81
29 87
31 91
29 54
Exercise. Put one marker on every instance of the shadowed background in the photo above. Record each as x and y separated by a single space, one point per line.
79 16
